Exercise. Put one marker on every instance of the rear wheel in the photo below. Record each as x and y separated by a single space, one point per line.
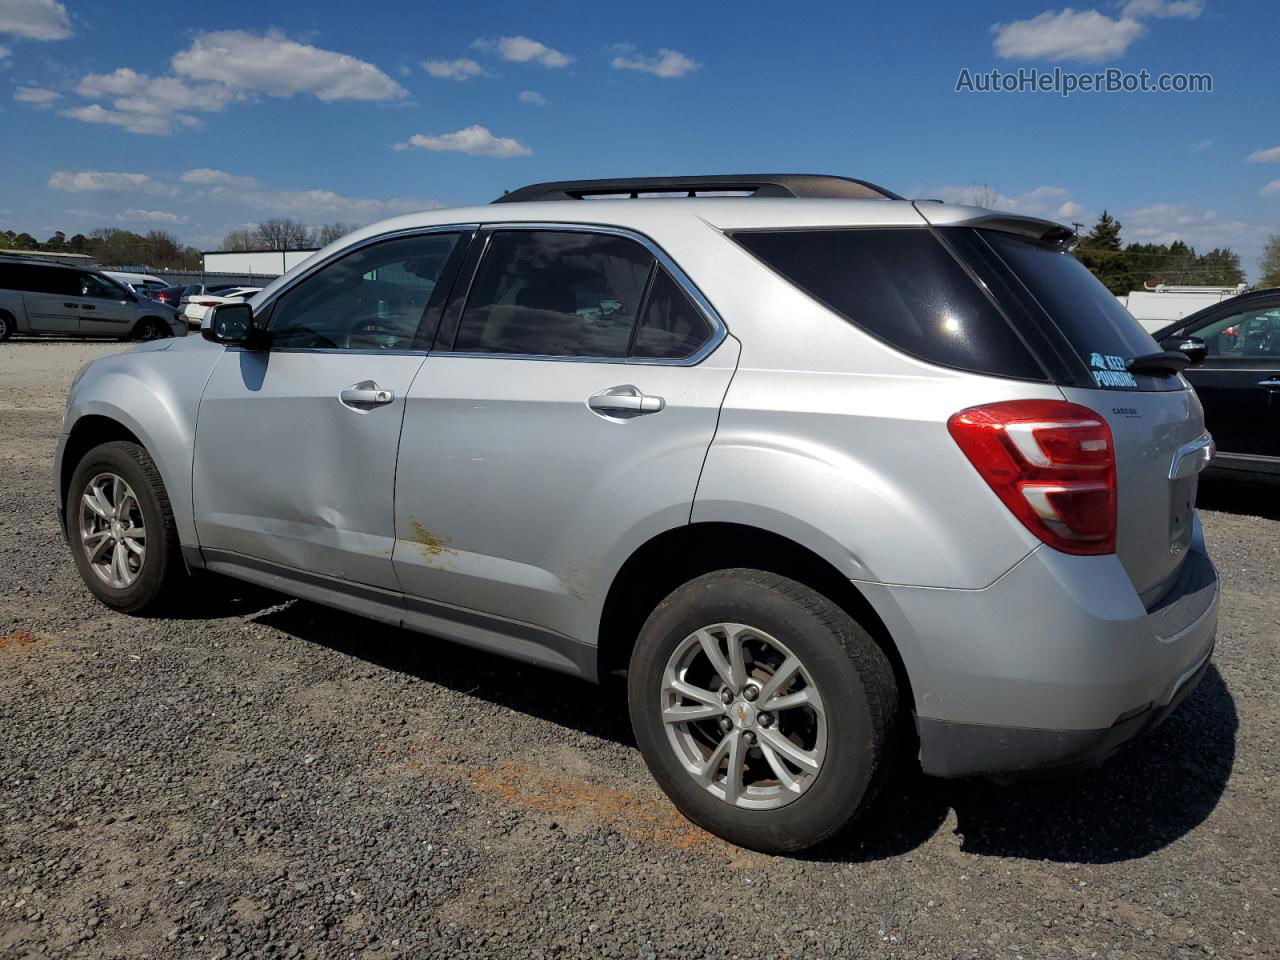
121 528
6 326
763 710
150 329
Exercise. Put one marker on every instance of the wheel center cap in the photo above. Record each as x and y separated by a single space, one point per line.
743 715
117 529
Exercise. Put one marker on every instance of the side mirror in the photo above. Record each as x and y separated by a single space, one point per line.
231 324
1193 347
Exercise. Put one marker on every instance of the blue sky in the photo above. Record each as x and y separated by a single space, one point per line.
198 118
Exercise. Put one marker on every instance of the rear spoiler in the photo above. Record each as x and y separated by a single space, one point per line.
1034 228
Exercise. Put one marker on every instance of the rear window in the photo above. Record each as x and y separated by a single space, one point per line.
1101 332
903 287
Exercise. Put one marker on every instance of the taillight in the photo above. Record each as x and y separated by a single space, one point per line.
1052 463
205 303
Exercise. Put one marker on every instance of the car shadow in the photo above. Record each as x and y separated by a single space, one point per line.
1154 791
1251 498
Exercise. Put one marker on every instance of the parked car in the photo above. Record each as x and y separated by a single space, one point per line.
142 283
1239 379
821 472
171 296
197 300
53 299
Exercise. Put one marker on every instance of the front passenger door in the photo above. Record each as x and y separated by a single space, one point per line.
106 309
295 446
1239 380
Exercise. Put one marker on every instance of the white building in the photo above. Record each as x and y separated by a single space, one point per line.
258 263
1160 306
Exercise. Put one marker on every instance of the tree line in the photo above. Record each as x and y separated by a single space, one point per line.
110 246
283 233
1123 267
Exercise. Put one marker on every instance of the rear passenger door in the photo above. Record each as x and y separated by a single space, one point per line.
51 295
561 420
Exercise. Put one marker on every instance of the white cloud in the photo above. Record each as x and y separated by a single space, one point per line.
1272 189
149 216
4 52
100 181
272 64
1270 155
1164 9
522 50
1201 145
475 140
532 97
1053 203
160 96
667 63
304 203
133 122
36 96
35 19
1066 35
205 177
464 68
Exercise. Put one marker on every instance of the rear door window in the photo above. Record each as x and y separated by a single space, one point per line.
903 287
555 293
671 328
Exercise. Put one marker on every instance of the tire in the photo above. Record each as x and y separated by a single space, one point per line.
851 734
151 576
150 329
7 326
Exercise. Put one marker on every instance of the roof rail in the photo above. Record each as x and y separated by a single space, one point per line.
745 184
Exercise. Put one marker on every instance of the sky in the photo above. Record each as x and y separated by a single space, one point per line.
201 118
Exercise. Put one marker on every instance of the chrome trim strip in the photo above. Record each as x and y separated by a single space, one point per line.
718 328
1191 458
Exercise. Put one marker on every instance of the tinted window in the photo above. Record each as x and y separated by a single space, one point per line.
374 298
903 287
1102 333
11 276
64 283
671 327
555 293
1251 333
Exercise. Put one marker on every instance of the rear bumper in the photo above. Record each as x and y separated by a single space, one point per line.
1056 663
967 749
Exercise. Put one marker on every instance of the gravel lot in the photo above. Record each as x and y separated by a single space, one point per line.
267 778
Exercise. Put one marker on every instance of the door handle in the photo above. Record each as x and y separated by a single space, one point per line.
1271 383
87 306
366 393
71 305
625 400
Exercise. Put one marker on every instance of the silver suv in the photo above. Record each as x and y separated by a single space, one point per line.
825 474
53 299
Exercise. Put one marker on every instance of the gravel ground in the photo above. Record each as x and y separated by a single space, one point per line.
267 778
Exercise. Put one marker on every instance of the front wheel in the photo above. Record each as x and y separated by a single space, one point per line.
763 709
121 530
7 326
150 330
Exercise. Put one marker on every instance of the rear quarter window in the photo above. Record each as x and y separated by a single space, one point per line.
901 286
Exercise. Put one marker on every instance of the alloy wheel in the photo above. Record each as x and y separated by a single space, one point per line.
112 532
744 716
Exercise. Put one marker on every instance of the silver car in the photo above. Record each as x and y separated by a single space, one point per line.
829 476
54 299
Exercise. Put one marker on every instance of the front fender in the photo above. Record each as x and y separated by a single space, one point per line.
155 395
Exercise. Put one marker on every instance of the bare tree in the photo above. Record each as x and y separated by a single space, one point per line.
240 240
326 233
1270 262
982 195
283 233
